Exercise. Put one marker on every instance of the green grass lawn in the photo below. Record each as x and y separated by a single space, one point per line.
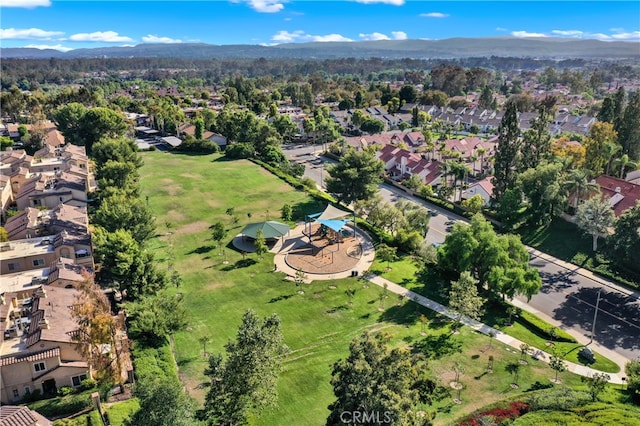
189 193
565 241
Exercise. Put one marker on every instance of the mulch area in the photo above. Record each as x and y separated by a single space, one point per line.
322 255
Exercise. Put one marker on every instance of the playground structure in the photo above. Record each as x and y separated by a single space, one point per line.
328 243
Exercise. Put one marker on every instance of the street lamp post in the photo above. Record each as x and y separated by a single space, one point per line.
595 315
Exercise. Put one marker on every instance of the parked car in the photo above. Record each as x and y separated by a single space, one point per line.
587 354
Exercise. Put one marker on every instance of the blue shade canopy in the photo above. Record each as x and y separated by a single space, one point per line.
270 229
335 225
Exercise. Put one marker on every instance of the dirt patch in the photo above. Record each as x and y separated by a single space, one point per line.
214 204
192 228
175 216
190 176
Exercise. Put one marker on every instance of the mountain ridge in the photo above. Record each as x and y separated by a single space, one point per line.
451 48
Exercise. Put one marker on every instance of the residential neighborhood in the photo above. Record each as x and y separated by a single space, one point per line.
296 240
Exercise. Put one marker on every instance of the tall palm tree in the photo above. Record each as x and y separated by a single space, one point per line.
578 184
624 162
610 151
481 152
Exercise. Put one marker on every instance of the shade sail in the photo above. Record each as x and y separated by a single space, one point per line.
335 225
332 212
270 229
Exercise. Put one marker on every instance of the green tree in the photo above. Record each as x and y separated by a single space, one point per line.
578 185
374 379
287 212
542 189
355 177
596 383
116 149
4 236
536 141
595 217
162 403
261 244
204 340
557 364
199 131
463 297
628 131
623 163
246 381
632 368
474 204
119 211
155 317
372 126
601 135
625 244
218 232
120 176
386 254
120 260
506 162
500 262
509 207
68 120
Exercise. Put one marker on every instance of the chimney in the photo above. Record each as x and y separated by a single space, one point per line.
14 302
44 324
617 189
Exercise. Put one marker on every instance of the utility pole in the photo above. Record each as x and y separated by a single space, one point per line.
595 315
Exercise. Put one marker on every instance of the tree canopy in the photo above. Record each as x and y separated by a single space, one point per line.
355 177
246 381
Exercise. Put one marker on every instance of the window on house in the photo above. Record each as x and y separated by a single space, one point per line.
38 262
36 202
27 390
39 366
77 380
14 266
16 394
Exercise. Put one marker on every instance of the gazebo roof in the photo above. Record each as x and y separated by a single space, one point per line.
270 229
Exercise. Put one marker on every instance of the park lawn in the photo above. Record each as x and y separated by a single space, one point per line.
189 193
405 270
566 241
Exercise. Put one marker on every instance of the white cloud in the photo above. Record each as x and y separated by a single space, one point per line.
263 6
391 2
28 34
434 15
44 46
374 36
399 35
568 33
300 36
527 34
600 36
501 29
26 4
151 38
103 36
634 35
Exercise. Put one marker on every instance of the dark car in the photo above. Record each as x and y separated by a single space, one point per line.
587 354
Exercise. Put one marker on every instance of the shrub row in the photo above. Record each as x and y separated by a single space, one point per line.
540 327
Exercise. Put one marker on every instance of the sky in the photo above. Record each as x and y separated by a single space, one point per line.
73 24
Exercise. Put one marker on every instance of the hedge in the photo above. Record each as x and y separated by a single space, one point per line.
539 326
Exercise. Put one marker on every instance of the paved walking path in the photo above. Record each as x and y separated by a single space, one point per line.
499 335
368 255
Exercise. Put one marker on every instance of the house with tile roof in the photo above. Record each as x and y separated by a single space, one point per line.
15 415
43 355
622 194
402 164
483 188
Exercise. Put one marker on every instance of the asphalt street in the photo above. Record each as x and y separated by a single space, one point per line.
567 295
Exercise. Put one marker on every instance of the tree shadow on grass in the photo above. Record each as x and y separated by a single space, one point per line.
438 346
185 361
202 250
282 297
404 314
242 263
337 309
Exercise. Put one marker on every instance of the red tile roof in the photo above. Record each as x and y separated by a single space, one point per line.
629 192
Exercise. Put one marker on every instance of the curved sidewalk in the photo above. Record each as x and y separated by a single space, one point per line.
485 329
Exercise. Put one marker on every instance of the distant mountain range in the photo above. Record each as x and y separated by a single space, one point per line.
557 48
